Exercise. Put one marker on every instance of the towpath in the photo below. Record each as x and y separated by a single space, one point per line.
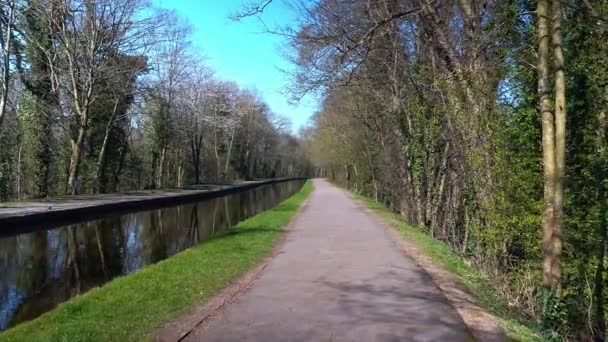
338 277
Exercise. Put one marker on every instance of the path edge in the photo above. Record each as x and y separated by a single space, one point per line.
483 325
184 324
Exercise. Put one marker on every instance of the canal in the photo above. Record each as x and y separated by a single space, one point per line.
41 269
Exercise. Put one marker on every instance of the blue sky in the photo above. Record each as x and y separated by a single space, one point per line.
240 52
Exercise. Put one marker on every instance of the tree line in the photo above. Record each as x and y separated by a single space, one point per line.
454 114
109 95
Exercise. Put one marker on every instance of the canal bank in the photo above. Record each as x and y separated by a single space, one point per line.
131 307
27 216
50 265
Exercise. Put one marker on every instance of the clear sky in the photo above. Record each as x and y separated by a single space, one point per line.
240 52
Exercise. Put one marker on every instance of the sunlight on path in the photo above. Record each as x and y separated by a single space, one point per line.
338 278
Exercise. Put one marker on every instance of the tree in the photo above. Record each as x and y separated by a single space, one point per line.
116 101
89 34
553 133
110 95
8 14
430 108
43 104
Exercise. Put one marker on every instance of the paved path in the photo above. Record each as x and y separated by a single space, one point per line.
338 278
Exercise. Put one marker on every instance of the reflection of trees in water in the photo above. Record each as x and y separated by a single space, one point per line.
11 299
31 272
133 243
151 235
41 268
73 258
44 268
113 242
56 253
193 232
215 206
105 247
16 267
161 222
227 212
100 250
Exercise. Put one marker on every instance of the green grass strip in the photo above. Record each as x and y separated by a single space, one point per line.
133 306
442 255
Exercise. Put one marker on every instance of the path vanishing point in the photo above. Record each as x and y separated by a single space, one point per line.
338 277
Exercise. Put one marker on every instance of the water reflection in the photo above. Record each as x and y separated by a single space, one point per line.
42 269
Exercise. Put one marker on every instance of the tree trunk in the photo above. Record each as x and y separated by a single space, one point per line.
101 165
121 163
6 58
218 163
247 163
19 170
152 184
75 160
560 139
160 172
227 163
356 178
180 174
101 159
195 149
550 282
599 319
44 153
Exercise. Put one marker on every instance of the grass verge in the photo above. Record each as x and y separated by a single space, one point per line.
442 255
133 306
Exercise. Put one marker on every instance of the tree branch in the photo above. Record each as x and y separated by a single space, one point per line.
250 10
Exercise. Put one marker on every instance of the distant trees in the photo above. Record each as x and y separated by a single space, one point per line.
454 114
100 96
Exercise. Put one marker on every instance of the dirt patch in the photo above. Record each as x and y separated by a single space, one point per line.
483 325
181 327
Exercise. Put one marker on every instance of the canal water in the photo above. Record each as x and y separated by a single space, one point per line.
39 270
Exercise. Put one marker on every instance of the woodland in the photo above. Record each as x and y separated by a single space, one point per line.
110 95
484 122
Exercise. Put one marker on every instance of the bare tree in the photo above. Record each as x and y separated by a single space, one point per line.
166 86
91 34
195 107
